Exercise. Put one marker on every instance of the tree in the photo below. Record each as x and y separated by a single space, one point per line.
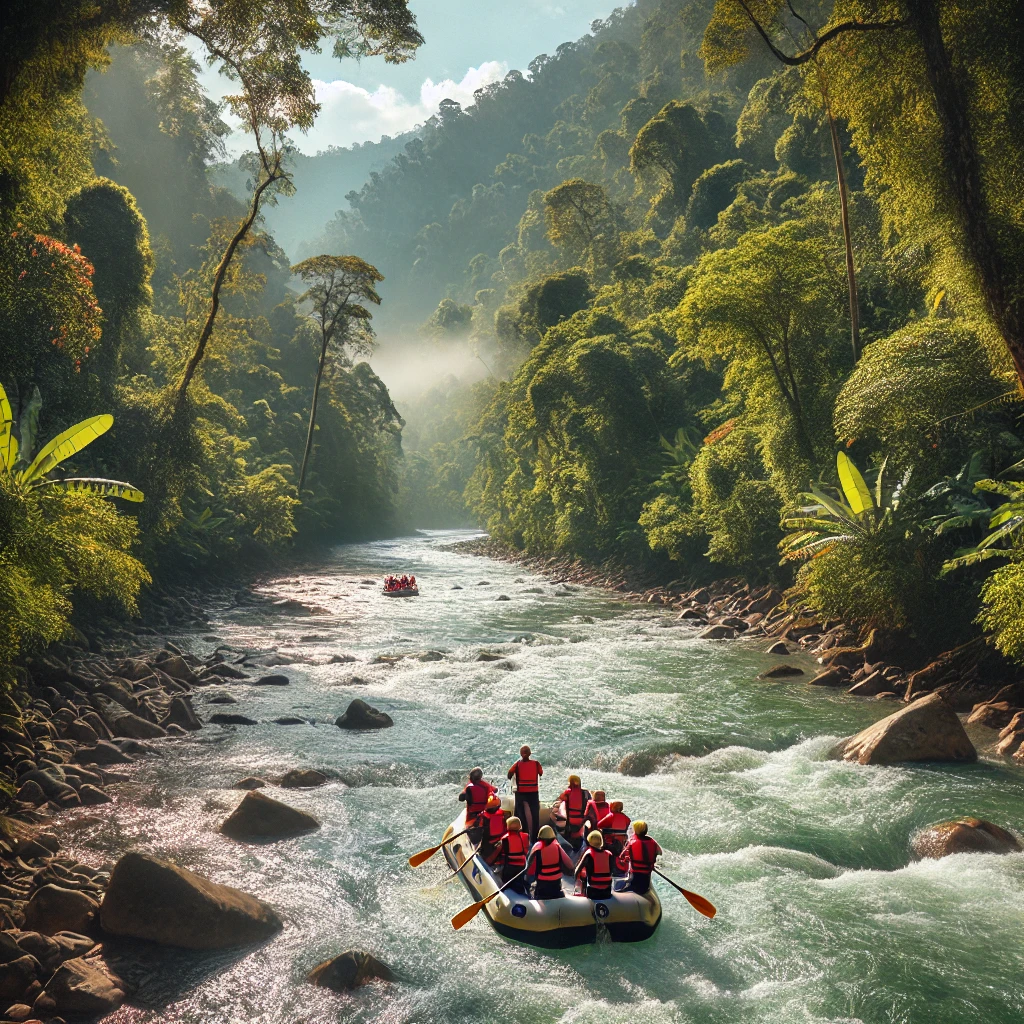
104 221
580 221
335 283
768 308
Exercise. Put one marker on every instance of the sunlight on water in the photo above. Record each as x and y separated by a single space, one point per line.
822 917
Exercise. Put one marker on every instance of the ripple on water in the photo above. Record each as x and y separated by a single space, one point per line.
822 917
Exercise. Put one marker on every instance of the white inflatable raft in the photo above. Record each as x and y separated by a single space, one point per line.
404 592
553 924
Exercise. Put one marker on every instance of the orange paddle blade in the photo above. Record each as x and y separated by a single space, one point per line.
467 914
424 855
701 905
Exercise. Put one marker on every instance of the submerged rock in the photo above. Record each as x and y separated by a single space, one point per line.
349 970
275 679
718 632
303 778
642 762
781 672
927 730
229 718
249 782
152 899
830 677
360 715
778 648
965 835
259 816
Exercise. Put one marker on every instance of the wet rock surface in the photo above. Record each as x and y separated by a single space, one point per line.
349 970
360 715
965 835
259 816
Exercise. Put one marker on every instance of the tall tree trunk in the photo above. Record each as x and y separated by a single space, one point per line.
312 411
844 206
997 280
218 283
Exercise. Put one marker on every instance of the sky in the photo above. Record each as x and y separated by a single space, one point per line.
469 43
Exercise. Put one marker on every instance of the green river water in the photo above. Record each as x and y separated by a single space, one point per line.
822 914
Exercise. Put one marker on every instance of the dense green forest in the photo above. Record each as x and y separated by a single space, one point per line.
694 255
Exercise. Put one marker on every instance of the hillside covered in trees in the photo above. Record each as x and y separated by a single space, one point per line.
743 282
703 251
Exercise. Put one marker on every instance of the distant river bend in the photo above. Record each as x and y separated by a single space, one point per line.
822 917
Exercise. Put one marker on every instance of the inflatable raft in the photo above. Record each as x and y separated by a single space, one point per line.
404 592
553 924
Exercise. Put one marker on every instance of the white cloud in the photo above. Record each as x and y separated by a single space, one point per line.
349 113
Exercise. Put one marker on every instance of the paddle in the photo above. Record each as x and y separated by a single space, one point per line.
462 867
701 905
467 914
424 855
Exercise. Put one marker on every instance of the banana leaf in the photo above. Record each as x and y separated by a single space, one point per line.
8 442
29 424
95 485
64 445
842 512
854 487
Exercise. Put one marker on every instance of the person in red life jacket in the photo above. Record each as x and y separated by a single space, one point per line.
575 799
639 856
527 773
546 863
596 867
513 851
614 826
493 824
596 809
412 582
475 796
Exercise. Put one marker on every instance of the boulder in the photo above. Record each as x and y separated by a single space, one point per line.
289 720
182 713
17 975
830 677
1015 724
51 783
259 816
349 970
717 633
871 685
31 793
1009 743
642 762
18 1012
275 679
152 899
965 835
81 732
778 648
93 796
104 752
489 656
227 718
125 723
993 714
81 988
360 715
55 909
302 778
221 698
927 730
962 694
71 944
781 672
691 613
177 668
249 782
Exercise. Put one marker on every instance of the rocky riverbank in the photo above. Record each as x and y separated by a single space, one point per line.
972 679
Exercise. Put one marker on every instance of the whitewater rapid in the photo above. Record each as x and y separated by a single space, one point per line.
822 915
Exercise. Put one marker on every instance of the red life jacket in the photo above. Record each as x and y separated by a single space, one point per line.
494 825
613 827
573 798
641 854
598 865
549 860
527 773
596 810
514 848
477 795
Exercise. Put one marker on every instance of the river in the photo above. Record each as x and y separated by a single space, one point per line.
822 915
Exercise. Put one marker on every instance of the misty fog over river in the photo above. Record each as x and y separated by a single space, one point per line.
822 916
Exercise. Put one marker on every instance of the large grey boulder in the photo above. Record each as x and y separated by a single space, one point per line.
302 778
927 730
966 835
259 816
152 899
349 970
182 713
124 723
717 632
360 715
104 752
